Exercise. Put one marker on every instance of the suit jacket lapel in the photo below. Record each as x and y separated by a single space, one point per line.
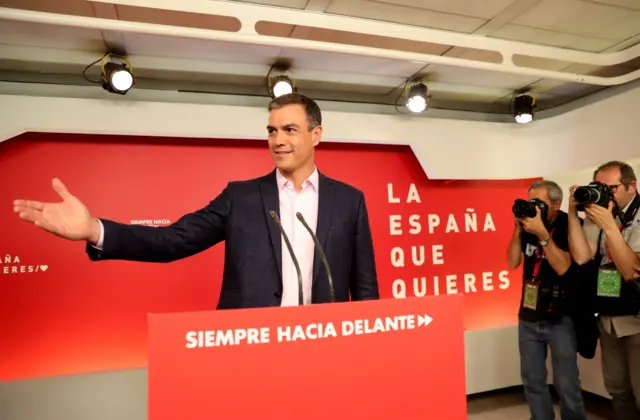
271 201
325 212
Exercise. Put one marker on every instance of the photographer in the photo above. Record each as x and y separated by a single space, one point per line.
540 240
611 235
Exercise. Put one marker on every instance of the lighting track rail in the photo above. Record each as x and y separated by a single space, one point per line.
249 15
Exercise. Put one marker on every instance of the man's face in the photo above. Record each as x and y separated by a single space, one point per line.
290 141
543 195
623 194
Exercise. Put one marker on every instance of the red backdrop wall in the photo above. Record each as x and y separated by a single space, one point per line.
63 314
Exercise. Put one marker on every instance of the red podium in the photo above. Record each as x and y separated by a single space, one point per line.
384 359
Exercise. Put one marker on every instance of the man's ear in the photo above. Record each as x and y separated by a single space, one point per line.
316 135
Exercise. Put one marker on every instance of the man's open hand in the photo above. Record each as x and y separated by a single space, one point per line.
69 219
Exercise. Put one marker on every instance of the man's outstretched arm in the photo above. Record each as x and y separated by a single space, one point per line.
70 219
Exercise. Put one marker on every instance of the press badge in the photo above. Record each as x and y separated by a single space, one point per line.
530 298
609 282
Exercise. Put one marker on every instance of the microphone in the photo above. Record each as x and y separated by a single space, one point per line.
275 217
332 295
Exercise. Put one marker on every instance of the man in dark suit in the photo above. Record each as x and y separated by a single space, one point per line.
258 270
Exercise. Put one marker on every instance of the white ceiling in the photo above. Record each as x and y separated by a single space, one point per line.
39 52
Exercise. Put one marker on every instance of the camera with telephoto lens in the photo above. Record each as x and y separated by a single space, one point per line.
594 193
523 208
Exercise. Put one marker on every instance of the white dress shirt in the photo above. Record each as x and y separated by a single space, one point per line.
304 201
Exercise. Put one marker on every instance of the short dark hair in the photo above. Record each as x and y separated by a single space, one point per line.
627 175
311 108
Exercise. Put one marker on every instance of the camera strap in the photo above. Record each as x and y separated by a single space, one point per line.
630 214
626 218
610 283
532 287
539 258
620 227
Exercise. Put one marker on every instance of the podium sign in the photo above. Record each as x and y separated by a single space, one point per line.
384 359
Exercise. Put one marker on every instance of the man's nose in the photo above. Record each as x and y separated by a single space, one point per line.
278 140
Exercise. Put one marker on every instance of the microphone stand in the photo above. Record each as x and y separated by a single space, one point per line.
275 217
332 295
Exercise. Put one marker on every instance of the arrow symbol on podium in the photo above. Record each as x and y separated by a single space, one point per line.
424 320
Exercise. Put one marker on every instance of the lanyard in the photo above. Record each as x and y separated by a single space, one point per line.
539 255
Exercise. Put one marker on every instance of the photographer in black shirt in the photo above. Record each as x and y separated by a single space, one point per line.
540 240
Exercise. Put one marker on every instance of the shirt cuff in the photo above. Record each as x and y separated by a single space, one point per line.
100 243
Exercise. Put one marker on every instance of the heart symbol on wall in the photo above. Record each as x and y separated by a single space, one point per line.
44 267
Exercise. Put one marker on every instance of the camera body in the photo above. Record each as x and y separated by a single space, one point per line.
594 193
553 302
527 208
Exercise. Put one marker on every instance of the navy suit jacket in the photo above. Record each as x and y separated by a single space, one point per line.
253 243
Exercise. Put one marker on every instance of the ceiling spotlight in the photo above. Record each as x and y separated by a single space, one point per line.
282 85
417 98
116 78
523 108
